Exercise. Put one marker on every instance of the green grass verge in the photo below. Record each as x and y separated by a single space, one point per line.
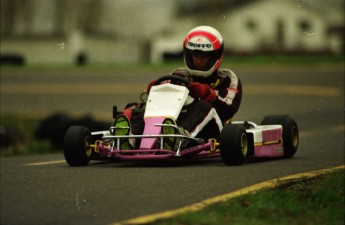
316 201
21 130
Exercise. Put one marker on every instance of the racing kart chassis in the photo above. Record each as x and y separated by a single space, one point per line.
202 150
276 137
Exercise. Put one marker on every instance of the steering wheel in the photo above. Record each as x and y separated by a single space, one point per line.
174 79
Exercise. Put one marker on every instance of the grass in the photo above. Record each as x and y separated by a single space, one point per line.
21 131
316 201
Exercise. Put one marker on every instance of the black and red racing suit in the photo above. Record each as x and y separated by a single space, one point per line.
215 114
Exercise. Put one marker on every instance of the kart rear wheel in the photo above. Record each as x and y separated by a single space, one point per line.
290 132
233 144
76 146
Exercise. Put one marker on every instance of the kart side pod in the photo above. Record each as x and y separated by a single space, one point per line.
277 136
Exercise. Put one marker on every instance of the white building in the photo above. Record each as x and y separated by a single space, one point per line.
265 26
284 26
63 31
116 31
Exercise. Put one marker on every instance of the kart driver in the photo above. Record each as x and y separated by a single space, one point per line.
217 92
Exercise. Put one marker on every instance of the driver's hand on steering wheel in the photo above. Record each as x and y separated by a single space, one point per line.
202 91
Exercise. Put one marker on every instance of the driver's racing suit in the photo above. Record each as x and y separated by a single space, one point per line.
211 114
204 117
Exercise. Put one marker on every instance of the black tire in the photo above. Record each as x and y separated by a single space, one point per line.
233 144
76 146
290 132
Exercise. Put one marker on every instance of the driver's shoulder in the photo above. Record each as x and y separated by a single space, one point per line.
223 73
181 72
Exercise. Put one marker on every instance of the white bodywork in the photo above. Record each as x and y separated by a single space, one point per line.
266 133
267 139
166 100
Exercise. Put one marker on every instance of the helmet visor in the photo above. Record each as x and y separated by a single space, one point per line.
200 60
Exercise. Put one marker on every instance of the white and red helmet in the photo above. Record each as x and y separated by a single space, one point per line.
205 40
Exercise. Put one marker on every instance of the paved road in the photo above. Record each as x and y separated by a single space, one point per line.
44 190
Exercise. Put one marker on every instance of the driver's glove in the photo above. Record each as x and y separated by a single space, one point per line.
202 91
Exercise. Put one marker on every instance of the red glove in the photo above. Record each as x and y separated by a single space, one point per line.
203 91
148 88
128 112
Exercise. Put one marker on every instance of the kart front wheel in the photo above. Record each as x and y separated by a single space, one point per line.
290 132
233 144
76 146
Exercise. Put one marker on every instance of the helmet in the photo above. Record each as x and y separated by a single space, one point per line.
207 41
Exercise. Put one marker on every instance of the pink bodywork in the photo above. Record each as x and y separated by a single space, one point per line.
150 128
147 152
267 149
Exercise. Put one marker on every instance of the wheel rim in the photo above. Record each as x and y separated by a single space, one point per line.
244 144
294 136
88 149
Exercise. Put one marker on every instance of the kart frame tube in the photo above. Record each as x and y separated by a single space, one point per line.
151 154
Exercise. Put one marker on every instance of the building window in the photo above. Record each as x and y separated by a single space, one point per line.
251 25
305 26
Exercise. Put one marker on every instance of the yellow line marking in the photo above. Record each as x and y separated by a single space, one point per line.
307 133
125 88
222 198
45 163
305 90
338 128
47 88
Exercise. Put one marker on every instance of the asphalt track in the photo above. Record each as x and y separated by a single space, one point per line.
44 190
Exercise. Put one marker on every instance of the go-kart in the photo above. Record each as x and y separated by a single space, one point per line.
277 136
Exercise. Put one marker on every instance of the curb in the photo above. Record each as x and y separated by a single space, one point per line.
222 198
